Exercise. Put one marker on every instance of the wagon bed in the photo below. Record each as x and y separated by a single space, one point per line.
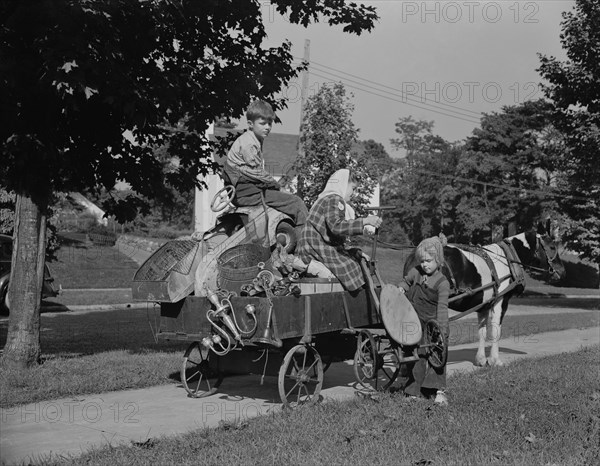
292 317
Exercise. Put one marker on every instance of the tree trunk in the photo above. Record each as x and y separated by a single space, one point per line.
27 274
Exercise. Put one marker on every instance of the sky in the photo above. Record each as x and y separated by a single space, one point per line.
445 62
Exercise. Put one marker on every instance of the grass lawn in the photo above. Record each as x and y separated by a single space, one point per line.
534 412
81 264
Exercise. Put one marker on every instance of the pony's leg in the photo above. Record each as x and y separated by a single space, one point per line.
482 316
496 332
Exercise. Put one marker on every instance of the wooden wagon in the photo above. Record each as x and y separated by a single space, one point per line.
303 333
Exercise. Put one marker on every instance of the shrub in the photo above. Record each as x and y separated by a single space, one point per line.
167 233
101 235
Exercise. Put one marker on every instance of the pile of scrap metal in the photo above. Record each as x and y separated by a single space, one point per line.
279 282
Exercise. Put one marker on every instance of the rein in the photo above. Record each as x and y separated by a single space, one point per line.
550 268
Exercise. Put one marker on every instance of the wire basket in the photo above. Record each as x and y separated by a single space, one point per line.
239 265
175 255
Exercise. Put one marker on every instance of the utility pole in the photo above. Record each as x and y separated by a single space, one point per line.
303 98
305 74
204 217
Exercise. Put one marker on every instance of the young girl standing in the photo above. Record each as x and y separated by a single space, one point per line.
428 290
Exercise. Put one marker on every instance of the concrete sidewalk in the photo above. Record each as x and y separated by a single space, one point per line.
73 425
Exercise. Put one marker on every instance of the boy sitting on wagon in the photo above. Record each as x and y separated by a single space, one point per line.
245 168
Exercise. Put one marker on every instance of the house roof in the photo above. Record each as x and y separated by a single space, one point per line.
279 151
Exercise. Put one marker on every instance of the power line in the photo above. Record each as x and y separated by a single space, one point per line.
454 111
421 99
501 186
457 114
401 101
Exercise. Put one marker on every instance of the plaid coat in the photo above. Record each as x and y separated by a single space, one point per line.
323 238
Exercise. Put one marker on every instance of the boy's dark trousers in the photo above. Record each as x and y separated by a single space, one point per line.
248 194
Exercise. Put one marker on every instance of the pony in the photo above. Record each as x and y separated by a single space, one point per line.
483 279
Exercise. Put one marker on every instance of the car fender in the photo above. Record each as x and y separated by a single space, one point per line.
4 280
4 283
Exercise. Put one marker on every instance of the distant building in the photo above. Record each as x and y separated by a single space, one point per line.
279 152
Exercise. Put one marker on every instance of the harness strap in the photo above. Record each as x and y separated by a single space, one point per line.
481 252
514 264
490 302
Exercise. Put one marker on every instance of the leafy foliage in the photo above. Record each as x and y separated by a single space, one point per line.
90 91
509 168
329 138
573 86
507 171
7 209
420 187
376 158
117 78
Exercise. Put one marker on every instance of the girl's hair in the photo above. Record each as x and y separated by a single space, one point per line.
432 246
260 109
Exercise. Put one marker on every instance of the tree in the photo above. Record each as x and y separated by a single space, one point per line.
7 209
376 158
509 171
90 89
421 187
329 138
573 86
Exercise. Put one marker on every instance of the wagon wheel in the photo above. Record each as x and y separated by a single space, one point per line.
365 358
300 376
223 198
196 373
437 353
373 369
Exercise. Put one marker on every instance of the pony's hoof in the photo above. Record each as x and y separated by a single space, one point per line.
495 362
481 362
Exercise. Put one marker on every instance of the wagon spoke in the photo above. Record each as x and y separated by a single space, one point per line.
372 356
313 365
195 372
313 379
296 365
193 375
300 376
292 389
